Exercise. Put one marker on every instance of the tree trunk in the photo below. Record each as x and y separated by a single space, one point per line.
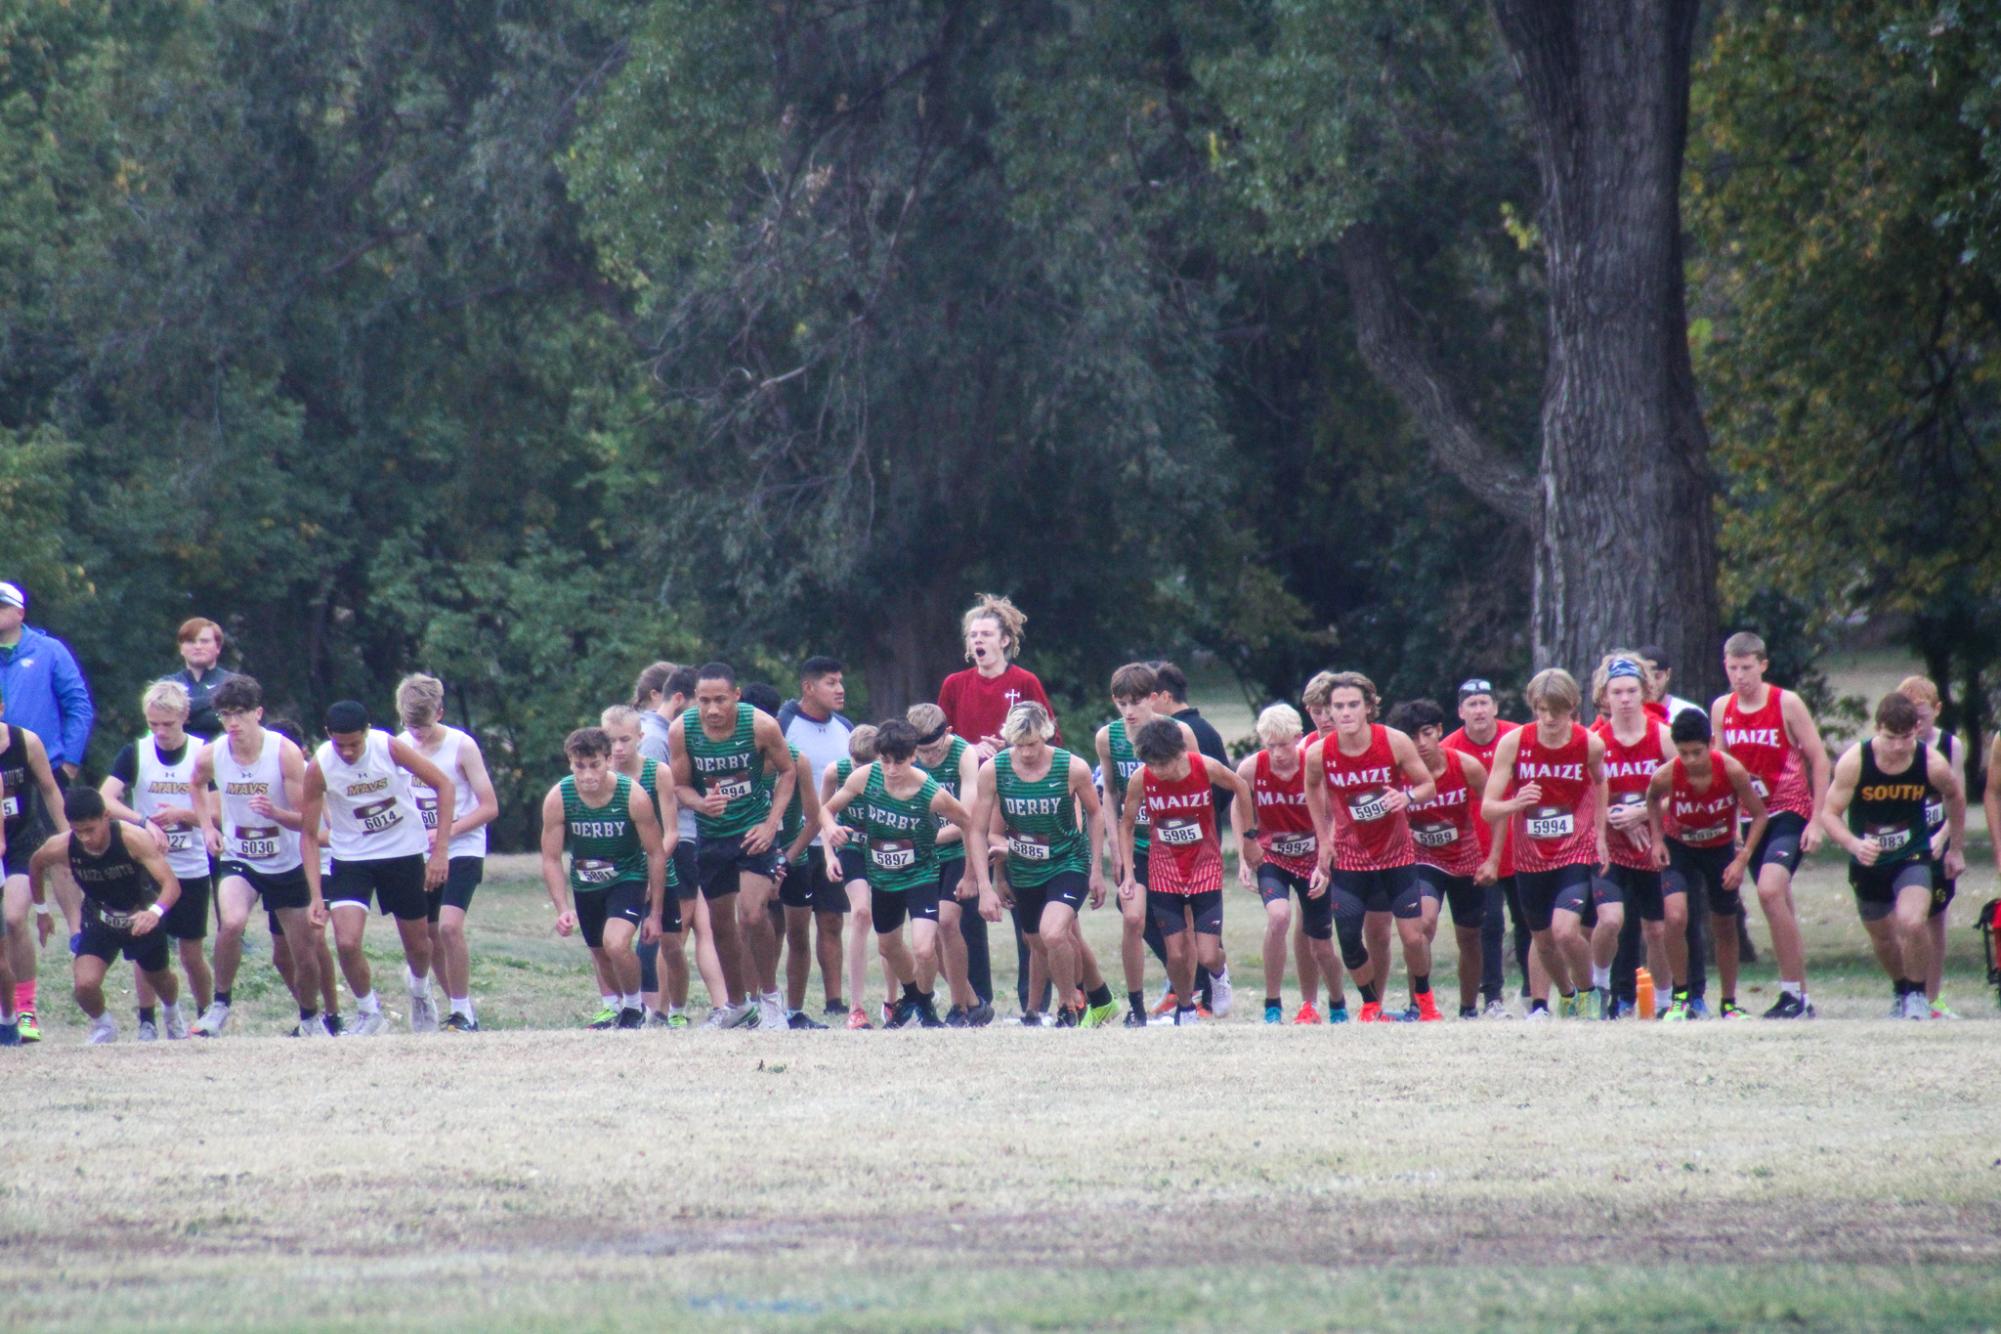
1621 505
1627 549
904 659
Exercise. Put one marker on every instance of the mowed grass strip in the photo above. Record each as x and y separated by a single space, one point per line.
1839 1173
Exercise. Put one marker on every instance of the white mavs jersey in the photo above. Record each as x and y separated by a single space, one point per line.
258 841
370 812
451 746
157 785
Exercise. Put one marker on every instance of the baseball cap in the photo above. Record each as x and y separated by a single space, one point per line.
12 596
1475 685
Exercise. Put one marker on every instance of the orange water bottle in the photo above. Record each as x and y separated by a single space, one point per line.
1643 993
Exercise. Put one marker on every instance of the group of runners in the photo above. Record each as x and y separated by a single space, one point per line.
704 813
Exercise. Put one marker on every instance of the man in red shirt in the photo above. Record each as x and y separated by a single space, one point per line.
1479 735
977 699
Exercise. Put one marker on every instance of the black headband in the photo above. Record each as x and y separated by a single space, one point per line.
938 734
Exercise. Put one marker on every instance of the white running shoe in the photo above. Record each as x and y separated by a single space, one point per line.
317 1028
148 1031
1188 1018
368 1023
1539 1016
770 1014
174 1022
1221 994
1916 1006
740 1016
213 1021
1497 1009
423 1014
103 1029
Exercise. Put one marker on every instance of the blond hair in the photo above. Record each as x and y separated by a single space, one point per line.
170 695
420 699
619 715
1027 720
861 744
1278 724
1010 618
926 718
1920 690
1601 676
1555 687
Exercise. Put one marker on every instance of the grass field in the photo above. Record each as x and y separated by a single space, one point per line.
1841 1173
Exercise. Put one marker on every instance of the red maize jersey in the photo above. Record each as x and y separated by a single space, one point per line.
1703 819
1485 754
1443 828
1760 742
1557 831
1628 771
1367 835
1285 827
1184 855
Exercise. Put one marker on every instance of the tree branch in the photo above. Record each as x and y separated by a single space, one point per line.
1392 344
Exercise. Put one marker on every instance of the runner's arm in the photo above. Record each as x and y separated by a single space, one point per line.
646 824
1847 773
486 808
1799 722
155 862
552 859
45 782
312 802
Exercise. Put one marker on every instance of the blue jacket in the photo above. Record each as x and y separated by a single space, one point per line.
43 690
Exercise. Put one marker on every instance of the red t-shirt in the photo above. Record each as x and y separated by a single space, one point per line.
975 706
1459 741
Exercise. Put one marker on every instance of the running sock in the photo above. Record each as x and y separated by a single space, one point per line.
1420 983
610 999
1797 990
1368 991
629 1001
1538 1006
911 993
24 996
1569 995
221 998
419 986
1272 1002
833 1003
673 1010
307 1016
146 1012
1136 999
369 1004
1100 995
462 1005
1601 978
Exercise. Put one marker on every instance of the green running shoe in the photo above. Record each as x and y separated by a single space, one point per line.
606 1018
1571 1006
1096 1016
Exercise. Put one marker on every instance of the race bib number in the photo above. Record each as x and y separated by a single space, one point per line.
1144 818
427 808
258 843
1366 810
1434 835
378 816
10 806
1028 847
893 854
1561 825
594 871
1758 786
732 787
117 921
1293 845
180 840
1893 839
1715 833
1179 833
1934 814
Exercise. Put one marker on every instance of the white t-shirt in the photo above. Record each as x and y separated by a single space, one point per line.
820 743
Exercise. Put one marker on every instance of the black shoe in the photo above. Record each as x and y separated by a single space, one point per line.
904 1015
335 1027
458 1023
980 1015
1469 1012
955 1017
838 1012
801 1020
1787 1006
1031 1019
1134 1019
632 1017
927 1015
1066 1018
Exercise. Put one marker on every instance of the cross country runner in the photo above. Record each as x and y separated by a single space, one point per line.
1447 842
955 764
618 865
1875 809
899 806
662 694
1548 787
814 724
1636 745
1922 692
1479 734
1134 690
1771 733
1369 774
1175 787
420 702
850 863
153 772
621 723
126 889
260 778
1313 699
381 853
798 900
731 764
34 807
1693 806
1277 778
1035 792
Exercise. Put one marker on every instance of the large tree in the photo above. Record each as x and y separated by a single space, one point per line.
1350 109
